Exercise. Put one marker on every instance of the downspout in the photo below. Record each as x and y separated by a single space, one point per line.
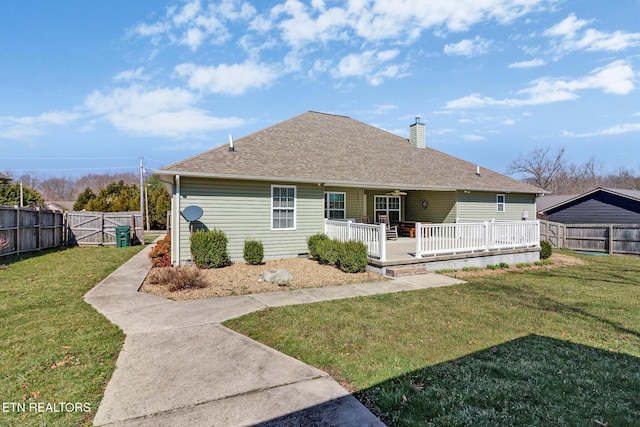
175 224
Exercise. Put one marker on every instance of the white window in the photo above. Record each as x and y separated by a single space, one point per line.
388 205
501 205
283 207
335 205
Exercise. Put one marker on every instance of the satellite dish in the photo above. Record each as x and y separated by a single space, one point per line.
192 213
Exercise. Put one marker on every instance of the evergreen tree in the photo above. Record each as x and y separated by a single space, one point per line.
85 197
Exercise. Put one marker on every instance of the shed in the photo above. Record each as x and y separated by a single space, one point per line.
599 206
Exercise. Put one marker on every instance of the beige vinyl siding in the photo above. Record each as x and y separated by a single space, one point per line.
242 209
483 206
354 197
440 209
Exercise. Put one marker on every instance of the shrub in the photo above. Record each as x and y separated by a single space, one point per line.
253 252
503 265
471 268
352 257
546 249
180 278
523 265
328 251
161 253
493 266
209 248
313 241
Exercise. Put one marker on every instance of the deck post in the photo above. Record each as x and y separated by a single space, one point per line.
382 235
348 230
418 240
486 235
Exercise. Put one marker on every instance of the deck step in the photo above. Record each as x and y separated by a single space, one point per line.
406 270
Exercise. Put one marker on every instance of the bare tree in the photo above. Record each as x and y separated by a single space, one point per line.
540 167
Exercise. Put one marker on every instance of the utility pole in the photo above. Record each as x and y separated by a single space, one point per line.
141 194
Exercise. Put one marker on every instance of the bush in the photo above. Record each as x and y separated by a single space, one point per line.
493 266
180 278
328 251
313 241
503 265
161 253
253 252
546 249
209 249
352 257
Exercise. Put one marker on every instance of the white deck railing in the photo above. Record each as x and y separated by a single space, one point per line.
374 236
436 239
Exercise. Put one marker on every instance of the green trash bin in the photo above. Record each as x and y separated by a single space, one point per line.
123 239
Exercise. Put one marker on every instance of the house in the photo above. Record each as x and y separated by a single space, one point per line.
4 179
286 182
598 206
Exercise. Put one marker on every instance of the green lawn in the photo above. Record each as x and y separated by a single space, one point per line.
56 352
546 347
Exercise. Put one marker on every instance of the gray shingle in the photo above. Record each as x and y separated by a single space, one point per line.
331 149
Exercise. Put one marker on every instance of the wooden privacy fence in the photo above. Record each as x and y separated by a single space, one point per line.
28 229
99 228
606 238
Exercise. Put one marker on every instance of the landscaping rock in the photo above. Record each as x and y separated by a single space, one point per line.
281 275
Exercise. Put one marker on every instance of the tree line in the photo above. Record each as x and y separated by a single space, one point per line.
551 170
94 192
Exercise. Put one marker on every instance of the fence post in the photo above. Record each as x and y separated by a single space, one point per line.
418 240
610 240
17 230
486 233
382 235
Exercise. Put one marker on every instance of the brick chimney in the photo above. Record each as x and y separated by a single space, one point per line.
417 134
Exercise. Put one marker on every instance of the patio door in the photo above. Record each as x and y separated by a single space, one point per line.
387 205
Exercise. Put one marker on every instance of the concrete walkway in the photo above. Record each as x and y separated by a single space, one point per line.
179 366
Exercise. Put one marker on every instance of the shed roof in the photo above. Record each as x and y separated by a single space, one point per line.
556 201
337 150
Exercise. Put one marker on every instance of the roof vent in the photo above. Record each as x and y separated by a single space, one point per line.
231 147
417 134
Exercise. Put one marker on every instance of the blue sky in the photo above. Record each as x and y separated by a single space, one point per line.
92 87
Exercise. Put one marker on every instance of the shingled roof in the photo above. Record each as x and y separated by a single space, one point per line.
337 150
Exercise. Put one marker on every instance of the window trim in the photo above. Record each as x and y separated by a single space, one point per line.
387 210
326 201
293 209
500 204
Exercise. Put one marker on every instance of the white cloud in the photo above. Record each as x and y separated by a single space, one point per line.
509 122
192 24
157 112
234 79
613 130
25 127
473 138
468 47
573 35
616 78
129 75
528 64
371 65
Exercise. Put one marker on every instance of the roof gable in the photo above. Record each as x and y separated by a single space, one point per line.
331 149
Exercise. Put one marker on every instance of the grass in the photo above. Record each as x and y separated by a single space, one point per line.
537 348
54 347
